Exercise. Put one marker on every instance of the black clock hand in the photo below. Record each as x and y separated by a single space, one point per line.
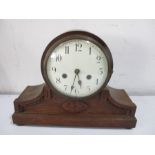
72 87
79 81
77 71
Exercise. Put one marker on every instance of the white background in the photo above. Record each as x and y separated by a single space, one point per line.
132 44
78 144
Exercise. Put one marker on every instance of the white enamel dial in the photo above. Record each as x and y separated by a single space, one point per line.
77 68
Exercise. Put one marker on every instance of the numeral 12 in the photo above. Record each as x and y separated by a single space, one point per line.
78 47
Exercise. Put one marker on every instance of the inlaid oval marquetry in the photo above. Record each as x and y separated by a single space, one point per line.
74 107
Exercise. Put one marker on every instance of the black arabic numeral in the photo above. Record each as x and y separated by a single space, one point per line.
88 88
101 70
98 58
54 69
78 47
76 91
96 81
58 80
89 50
65 87
58 58
66 49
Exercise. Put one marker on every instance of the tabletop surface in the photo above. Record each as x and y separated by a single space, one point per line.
145 115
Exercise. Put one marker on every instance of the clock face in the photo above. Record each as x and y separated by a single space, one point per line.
76 64
77 68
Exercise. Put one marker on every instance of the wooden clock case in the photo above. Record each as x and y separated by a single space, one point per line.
38 105
43 105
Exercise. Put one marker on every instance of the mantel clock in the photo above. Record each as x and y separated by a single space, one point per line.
76 67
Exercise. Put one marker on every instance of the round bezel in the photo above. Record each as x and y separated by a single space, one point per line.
70 36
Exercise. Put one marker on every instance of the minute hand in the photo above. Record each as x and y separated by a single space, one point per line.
72 87
77 71
79 81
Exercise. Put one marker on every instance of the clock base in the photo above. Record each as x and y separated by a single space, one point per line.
111 108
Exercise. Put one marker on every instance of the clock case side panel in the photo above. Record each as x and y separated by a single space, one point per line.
38 106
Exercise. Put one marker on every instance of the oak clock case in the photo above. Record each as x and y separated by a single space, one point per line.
76 67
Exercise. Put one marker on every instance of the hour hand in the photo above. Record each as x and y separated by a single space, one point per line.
80 83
